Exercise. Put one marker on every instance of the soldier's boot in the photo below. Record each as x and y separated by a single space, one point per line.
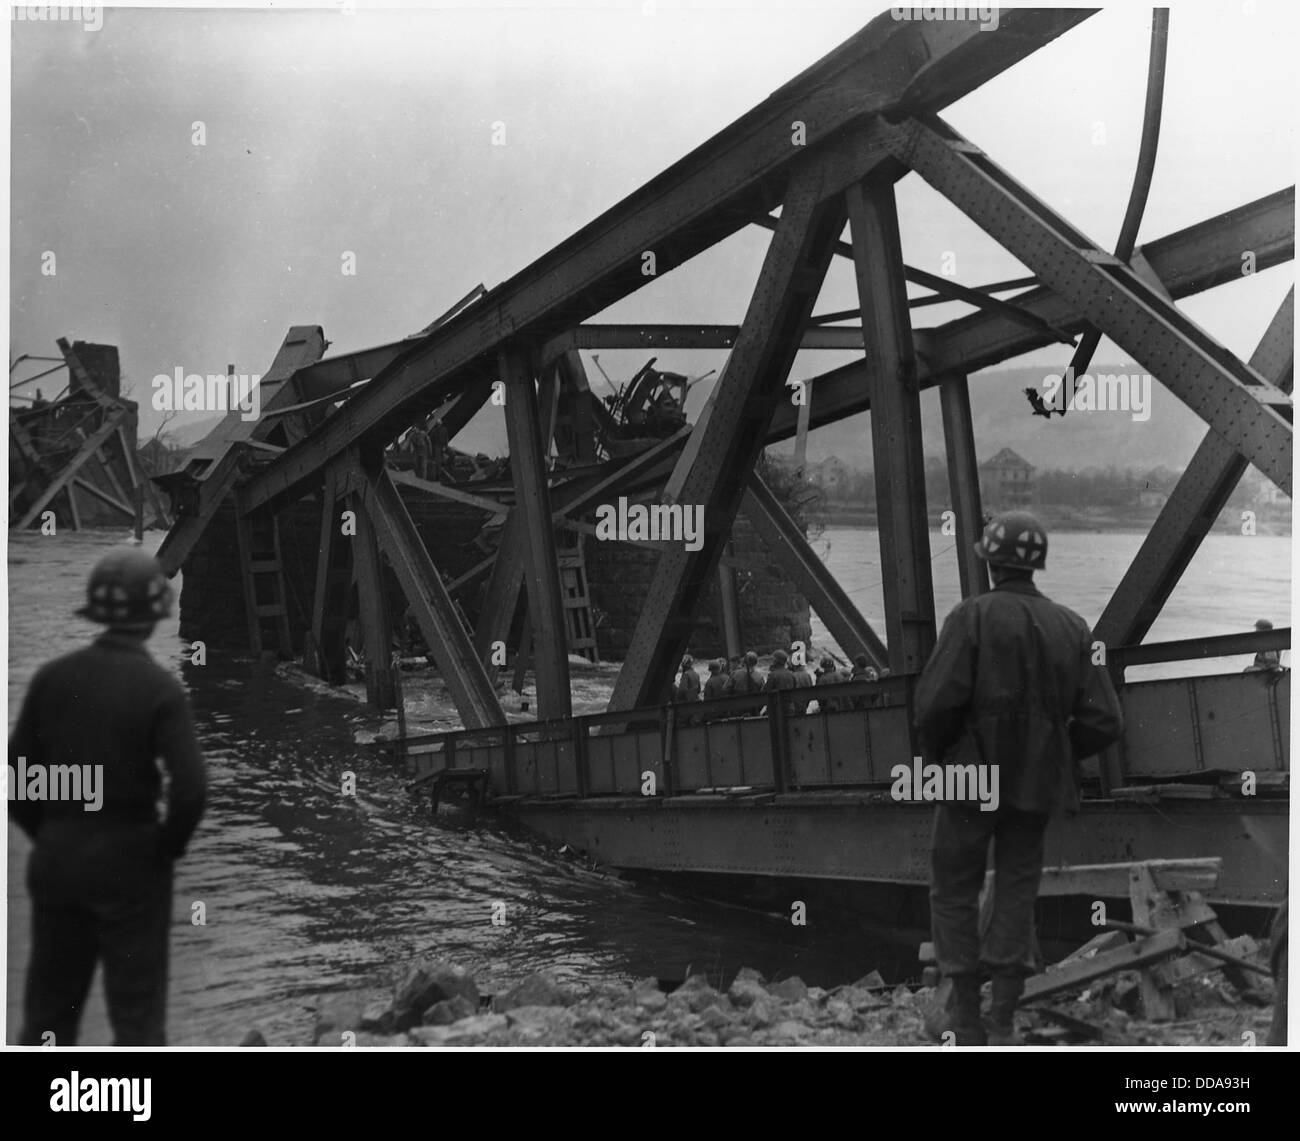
1002 1011
961 1015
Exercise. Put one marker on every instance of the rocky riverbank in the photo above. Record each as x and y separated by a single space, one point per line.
436 1004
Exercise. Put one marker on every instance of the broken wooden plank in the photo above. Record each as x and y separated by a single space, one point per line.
1130 957
1215 952
1153 908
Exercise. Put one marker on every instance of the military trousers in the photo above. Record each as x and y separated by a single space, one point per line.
101 894
958 860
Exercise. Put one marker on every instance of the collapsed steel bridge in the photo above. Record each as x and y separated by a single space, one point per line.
870 113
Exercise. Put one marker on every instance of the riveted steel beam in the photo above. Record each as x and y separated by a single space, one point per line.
1199 496
1232 398
471 690
702 199
374 612
895 425
688 337
1187 262
327 656
528 444
215 460
963 482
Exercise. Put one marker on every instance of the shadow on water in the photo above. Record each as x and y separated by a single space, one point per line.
305 890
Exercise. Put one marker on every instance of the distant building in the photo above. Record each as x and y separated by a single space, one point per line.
1006 481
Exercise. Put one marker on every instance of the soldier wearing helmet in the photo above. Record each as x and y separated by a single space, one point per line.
1011 683
101 878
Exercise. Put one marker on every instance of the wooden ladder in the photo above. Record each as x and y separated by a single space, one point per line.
262 568
580 630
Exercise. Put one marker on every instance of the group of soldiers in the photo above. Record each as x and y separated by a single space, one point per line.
787 670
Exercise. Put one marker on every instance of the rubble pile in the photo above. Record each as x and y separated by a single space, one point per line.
437 1004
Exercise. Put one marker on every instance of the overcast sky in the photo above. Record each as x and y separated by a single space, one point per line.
372 133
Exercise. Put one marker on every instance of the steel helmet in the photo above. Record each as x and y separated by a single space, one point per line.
127 588
1014 539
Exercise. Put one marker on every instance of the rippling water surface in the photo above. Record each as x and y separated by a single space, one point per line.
306 891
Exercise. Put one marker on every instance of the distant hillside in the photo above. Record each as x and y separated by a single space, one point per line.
187 430
1003 418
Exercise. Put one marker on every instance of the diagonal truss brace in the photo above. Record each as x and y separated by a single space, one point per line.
1200 494
735 431
789 546
1251 414
439 622
529 441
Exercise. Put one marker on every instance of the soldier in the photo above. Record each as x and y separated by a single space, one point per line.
829 674
422 448
863 670
779 676
715 686
438 442
745 679
1011 683
101 879
688 687
1265 659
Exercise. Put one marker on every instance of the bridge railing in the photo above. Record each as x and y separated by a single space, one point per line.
853 736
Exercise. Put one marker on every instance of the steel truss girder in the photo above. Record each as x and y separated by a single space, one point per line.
895 426
216 459
1201 493
373 609
1188 261
63 479
963 482
1234 400
329 611
687 337
866 837
572 497
435 612
528 441
736 429
788 545
702 199
945 289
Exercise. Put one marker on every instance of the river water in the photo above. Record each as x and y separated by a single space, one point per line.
307 892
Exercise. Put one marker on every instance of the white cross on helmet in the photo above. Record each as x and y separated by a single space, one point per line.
1014 539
